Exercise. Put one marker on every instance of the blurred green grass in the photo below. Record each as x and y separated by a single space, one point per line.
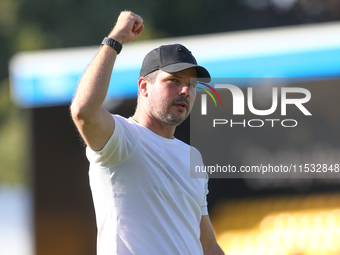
14 140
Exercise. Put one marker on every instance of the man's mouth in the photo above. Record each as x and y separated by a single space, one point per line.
182 106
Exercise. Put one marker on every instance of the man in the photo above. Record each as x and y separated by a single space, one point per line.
144 198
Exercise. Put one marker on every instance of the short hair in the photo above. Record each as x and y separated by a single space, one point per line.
151 77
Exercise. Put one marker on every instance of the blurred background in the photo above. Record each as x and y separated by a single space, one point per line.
45 202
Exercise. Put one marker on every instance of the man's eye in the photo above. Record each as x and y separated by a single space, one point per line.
173 79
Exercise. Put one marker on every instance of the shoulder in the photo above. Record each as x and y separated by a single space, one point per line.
124 125
196 153
119 146
122 120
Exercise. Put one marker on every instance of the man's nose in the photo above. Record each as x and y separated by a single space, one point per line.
185 89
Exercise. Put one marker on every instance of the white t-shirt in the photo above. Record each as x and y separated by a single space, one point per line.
144 198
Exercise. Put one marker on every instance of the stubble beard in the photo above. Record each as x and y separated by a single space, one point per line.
165 116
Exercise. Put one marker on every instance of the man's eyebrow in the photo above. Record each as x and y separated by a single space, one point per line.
179 76
176 75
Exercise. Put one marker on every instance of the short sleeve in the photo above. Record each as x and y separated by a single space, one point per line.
118 147
196 164
204 207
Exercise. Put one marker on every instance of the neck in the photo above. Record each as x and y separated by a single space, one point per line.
155 125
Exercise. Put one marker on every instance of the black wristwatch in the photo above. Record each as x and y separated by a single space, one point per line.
113 43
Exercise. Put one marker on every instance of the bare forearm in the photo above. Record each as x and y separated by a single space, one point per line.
94 84
208 239
214 250
94 123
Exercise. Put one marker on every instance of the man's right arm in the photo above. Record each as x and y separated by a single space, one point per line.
94 123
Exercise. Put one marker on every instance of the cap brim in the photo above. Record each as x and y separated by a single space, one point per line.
202 73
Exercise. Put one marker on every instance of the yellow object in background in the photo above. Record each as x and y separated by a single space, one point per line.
307 225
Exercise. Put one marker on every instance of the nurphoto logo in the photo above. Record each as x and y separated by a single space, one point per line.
238 104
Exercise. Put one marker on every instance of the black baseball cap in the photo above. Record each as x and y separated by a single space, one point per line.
172 58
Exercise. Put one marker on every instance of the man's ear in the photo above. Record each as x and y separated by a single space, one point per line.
143 86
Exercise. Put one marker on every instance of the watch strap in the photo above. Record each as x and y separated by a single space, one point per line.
113 44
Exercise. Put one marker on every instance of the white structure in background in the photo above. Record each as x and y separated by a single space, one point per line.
50 77
16 221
